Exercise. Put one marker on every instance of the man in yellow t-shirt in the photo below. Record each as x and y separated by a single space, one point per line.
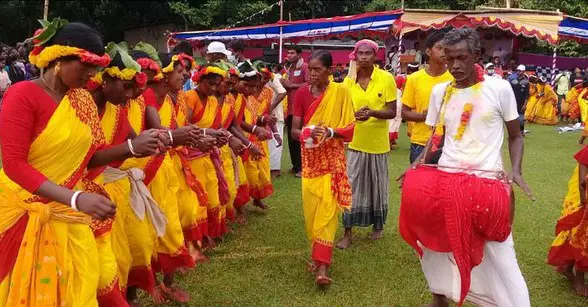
373 93
415 98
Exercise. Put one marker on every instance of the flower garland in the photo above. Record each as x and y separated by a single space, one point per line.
266 73
125 74
184 57
41 57
206 71
169 68
148 64
465 115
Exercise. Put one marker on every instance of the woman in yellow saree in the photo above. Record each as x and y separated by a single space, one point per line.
111 89
542 104
169 186
243 197
49 134
569 250
206 113
323 116
256 157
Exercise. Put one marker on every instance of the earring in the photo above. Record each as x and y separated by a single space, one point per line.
57 69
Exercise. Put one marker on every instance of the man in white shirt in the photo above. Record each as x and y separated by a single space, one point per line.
277 110
458 214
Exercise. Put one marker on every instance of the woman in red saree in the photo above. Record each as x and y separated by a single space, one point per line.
323 117
50 134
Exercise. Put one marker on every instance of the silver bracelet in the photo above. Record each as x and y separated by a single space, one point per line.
332 132
249 145
254 127
74 200
171 138
204 131
131 148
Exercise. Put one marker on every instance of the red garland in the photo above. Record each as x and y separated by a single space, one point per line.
148 64
198 74
234 71
91 58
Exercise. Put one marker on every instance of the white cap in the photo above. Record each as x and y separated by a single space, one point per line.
521 68
542 79
488 65
217 47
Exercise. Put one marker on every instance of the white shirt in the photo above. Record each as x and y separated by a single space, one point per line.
278 88
480 146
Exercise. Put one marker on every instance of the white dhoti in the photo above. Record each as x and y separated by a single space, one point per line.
275 151
497 281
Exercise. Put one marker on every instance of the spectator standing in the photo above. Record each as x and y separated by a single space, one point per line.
562 86
15 73
4 79
520 87
297 77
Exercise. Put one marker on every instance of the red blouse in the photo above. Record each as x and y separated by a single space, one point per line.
150 98
26 110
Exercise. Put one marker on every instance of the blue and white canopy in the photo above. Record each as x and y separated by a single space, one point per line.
574 28
301 29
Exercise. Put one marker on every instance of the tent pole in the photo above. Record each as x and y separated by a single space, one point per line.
398 66
280 54
553 65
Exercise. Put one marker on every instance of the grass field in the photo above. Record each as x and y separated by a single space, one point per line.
263 263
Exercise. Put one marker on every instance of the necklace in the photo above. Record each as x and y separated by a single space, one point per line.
50 88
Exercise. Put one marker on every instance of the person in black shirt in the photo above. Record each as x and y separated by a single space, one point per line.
520 87
15 73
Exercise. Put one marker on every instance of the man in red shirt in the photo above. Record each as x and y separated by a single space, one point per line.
297 76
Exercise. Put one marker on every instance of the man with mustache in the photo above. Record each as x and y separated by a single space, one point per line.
458 214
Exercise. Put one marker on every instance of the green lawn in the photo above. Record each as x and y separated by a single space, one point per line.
263 263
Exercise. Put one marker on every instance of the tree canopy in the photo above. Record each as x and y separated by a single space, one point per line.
18 18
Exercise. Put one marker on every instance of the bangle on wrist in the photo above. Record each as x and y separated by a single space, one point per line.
74 200
249 145
332 132
131 148
254 127
276 133
262 119
204 131
171 138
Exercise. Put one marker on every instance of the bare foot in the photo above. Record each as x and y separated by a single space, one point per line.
178 294
439 301
209 242
160 294
322 279
377 234
241 219
566 271
258 203
135 303
344 243
581 290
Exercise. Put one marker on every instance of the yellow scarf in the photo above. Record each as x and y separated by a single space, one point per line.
335 109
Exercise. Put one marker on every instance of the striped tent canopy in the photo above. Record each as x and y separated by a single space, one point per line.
574 28
377 23
542 25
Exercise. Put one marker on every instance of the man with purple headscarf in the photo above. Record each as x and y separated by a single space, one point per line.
373 92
